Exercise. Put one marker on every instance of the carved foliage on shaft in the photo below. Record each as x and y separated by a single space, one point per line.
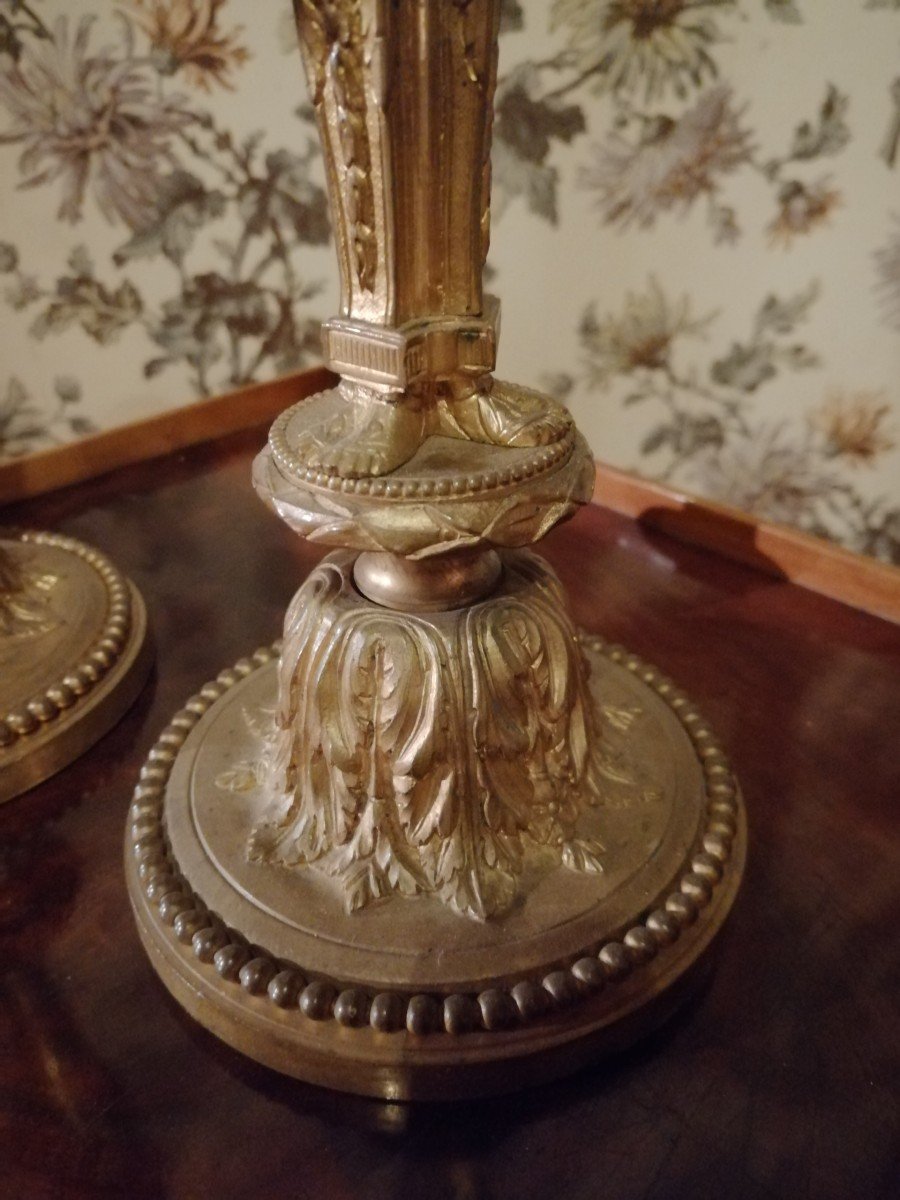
334 37
403 92
490 87
431 756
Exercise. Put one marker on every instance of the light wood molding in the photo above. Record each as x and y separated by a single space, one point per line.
201 421
777 550
855 579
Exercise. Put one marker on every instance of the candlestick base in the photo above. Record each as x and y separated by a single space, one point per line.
407 998
74 653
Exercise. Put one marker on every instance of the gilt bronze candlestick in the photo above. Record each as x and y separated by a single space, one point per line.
437 843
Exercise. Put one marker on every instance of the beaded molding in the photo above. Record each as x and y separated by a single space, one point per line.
544 459
287 986
99 658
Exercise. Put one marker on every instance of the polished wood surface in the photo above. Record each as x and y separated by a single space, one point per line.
781 1080
858 579
787 553
151 437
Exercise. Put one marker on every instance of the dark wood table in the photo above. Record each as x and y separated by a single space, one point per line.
781 1080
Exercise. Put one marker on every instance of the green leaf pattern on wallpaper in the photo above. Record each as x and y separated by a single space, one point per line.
193 217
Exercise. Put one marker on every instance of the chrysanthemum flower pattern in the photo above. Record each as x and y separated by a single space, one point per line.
89 118
644 46
186 37
670 164
97 113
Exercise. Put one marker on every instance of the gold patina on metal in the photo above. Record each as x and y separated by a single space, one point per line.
439 842
73 653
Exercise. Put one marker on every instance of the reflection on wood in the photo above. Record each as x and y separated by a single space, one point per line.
778 550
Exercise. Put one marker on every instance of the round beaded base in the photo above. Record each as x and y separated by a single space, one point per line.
74 653
406 999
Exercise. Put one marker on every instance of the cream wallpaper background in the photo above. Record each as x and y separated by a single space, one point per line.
696 230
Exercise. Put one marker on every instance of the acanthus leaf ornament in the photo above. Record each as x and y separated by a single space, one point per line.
339 41
433 754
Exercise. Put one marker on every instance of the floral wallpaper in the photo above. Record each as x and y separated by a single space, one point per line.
717 186
157 243
707 191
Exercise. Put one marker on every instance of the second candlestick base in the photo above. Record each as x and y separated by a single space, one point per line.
74 653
